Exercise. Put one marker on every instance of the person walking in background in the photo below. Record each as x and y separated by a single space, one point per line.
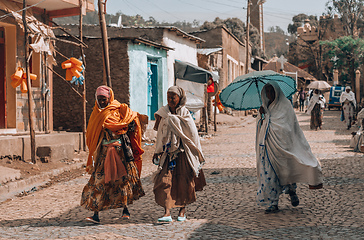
302 97
348 103
283 154
178 155
315 108
113 138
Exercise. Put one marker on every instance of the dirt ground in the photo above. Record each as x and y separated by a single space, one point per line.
27 168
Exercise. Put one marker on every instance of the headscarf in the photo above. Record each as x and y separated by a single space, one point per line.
350 96
181 94
281 140
314 99
103 91
115 117
176 129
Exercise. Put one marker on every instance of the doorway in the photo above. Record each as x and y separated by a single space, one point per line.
2 80
152 88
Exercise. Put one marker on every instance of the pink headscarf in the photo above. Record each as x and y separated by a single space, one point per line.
103 91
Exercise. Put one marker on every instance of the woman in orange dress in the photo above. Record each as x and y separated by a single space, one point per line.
113 138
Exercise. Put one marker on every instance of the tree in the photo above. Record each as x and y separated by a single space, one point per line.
276 29
299 20
350 54
351 13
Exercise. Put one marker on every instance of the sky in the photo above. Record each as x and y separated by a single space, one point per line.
276 12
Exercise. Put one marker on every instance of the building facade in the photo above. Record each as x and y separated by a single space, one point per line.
222 53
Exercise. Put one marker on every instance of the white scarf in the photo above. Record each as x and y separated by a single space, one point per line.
315 99
350 96
175 129
283 142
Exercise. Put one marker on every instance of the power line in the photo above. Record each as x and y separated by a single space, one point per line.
191 4
9 14
219 3
163 10
131 5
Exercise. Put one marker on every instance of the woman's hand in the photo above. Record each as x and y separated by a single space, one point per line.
155 157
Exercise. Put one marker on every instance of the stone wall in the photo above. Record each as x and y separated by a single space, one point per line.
68 113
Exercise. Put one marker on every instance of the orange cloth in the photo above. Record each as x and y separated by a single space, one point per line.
211 88
115 117
218 102
113 166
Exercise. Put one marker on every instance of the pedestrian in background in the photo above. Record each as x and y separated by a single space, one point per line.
348 103
302 97
113 138
179 156
283 154
316 107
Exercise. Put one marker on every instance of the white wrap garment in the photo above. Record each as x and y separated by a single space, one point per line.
284 143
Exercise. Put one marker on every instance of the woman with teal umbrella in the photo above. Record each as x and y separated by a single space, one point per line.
283 154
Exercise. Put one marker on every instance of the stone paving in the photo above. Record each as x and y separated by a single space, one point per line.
226 209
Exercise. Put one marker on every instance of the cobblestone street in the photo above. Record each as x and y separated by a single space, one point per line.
225 209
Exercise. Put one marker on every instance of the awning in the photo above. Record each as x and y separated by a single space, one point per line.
188 71
35 27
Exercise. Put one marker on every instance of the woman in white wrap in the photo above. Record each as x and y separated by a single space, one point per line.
315 108
357 140
348 103
284 156
179 156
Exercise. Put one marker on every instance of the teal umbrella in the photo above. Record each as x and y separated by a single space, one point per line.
244 92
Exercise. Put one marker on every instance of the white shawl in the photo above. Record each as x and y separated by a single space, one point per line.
348 96
315 99
284 143
175 129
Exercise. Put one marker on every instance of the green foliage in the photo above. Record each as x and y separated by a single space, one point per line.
350 54
276 29
299 20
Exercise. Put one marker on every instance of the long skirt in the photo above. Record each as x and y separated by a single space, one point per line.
98 195
348 110
269 187
316 117
177 187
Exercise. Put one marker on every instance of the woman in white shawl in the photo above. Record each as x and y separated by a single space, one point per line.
357 140
179 156
348 103
284 156
315 108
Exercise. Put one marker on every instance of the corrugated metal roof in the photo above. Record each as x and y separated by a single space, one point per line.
208 51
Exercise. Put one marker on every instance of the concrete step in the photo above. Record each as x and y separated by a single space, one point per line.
55 152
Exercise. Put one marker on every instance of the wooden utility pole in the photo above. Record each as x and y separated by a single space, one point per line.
30 101
247 59
84 122
105 44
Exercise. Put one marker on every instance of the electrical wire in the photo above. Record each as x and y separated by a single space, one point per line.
163 10
191 4
129 4
9 14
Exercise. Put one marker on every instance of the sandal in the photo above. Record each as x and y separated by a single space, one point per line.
126 214
165 219
294 199
93 219
272 209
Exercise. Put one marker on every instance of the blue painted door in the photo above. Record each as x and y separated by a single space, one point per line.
152 89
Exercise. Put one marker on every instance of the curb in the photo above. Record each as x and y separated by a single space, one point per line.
10 189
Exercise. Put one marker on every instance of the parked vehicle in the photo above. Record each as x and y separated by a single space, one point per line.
334 97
